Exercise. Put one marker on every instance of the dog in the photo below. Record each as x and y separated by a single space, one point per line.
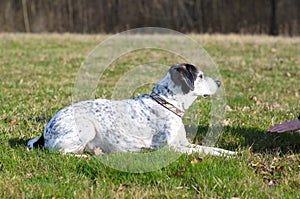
145 122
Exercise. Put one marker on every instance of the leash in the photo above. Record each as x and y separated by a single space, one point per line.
167 105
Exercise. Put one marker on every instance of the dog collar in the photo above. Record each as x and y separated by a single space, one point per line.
167 105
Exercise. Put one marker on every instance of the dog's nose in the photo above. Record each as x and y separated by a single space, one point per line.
218 82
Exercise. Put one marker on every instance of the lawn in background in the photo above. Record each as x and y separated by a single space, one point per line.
261 78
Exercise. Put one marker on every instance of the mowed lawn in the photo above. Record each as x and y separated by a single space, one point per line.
261 79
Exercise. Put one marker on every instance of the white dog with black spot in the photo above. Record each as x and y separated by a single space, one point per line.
145 122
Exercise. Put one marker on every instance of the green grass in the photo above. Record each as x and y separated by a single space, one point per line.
261 78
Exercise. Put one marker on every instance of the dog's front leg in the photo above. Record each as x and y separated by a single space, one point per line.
193 148
181 144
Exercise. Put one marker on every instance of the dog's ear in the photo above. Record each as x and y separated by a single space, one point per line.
184 75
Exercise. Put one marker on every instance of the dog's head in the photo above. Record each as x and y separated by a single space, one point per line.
191 80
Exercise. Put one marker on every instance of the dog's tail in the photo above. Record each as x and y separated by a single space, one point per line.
36 142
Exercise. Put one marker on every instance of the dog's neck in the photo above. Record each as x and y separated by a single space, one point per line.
173 94
167 105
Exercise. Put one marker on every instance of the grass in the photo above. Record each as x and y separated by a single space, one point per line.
261 79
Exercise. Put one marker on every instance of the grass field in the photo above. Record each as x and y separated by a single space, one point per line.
261 79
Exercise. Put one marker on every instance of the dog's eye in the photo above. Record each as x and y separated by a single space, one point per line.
200 76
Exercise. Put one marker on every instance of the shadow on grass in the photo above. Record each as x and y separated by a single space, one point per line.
259 140
263 141
16 142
